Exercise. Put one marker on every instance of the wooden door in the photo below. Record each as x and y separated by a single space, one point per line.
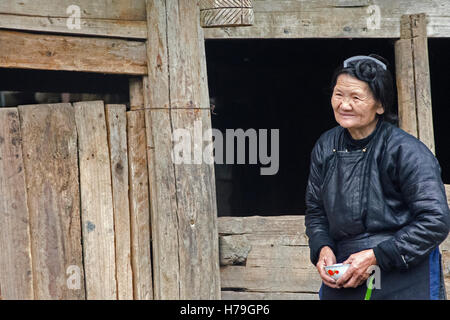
71 216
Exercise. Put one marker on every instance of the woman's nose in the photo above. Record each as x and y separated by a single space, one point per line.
346 105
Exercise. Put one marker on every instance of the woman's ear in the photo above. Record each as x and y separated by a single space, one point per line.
380 109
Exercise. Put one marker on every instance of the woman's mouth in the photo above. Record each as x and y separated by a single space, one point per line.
346 115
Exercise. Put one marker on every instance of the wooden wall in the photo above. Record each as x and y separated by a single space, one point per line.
268 258
74 215
272 18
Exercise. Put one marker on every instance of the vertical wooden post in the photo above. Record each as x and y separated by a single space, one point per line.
49 138
413 79
184 213
139 194
16 276
96 201
116 123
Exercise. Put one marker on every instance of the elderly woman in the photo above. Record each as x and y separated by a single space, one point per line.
374 195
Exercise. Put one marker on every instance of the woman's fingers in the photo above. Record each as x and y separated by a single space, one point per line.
356 280
329 281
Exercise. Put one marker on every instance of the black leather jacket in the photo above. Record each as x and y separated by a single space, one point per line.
388 196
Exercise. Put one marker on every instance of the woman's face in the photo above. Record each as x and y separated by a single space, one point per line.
354 106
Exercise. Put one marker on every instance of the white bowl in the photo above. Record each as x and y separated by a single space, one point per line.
336 270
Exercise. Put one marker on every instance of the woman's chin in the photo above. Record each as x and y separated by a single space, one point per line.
346 123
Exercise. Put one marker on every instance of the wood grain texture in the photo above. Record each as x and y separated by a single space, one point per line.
51 167
53 52
91 27
227 17
162 176
96 201
133 10
125 18
183 194
447 191
413 80
249 295
16 276
422 80
195 183
278 262
213 4
140 206
335 19
116 120
136 90
404 67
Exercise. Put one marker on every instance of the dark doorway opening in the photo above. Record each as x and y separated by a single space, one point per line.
438 52
282 84
21 86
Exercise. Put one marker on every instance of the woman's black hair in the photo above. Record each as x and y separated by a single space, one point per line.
378 78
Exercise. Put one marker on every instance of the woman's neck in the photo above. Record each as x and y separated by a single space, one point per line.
361 133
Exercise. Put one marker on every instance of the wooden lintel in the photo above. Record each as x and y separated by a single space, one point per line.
184 212
123 19
226 13
68 53
413 79
335 19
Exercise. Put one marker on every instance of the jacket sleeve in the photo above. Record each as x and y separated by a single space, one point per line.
316 221
419 179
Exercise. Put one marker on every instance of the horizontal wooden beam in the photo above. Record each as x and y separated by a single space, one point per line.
98 9
124 18
275 258
92 27
335 19
68 53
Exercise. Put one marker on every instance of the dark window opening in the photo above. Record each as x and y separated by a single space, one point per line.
20 87
276 84
439 51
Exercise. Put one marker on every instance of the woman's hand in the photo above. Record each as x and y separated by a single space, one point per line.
356 274
326 258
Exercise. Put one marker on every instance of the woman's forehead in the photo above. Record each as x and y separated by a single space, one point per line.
347 82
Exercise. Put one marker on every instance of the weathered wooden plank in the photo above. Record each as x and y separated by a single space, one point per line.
404 66
96 201
191 257
279 230
53 52
446 271
160 166
49 140
99 9
270 279
278 260
197 212
195 183
280 256
116 120
87 26
136 93
16 277
331 19
422 80
140 206
248 295
447 191
213 4
227 17
445 251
